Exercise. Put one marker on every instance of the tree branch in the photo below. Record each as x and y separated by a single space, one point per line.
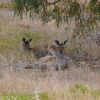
52 3
55 16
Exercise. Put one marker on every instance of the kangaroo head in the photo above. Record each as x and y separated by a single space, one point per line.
26 43
61 45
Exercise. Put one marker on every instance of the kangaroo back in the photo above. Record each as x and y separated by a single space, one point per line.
39 50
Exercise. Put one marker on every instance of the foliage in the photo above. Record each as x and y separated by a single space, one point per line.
84 15
13 96
79 91
6 5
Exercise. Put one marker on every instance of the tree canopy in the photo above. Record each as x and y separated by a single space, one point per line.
85 16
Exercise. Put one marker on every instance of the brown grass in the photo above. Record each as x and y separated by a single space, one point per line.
28 81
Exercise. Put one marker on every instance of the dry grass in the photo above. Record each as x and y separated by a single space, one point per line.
28 81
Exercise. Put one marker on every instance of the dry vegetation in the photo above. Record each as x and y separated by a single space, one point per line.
55 85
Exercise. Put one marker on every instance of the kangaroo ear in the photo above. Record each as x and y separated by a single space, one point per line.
23 39
57 42
30 40
65 42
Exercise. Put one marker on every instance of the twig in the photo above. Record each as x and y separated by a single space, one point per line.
52 3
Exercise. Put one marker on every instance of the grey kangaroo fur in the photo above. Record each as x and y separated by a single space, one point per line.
62 61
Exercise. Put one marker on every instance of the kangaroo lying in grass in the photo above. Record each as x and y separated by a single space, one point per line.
59 62
39 50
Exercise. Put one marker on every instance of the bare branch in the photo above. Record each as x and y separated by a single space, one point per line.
52 3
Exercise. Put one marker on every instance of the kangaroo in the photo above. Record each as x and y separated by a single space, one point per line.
38 51
59 62
62 61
